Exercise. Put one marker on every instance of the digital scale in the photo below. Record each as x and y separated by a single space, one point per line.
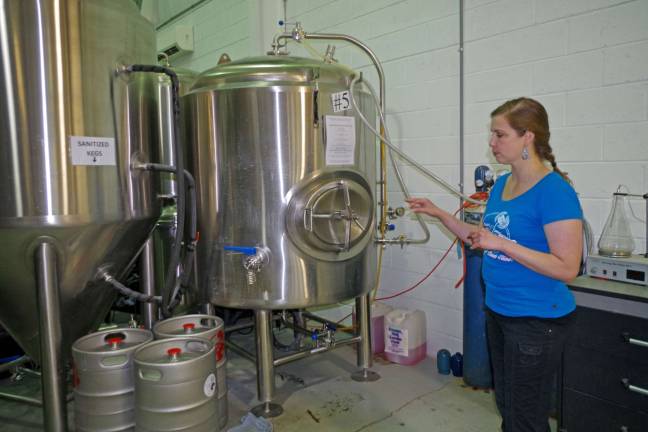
633 269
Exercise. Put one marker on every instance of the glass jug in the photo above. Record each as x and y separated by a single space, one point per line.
616 239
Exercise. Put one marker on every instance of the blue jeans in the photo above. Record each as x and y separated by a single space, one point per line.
525 353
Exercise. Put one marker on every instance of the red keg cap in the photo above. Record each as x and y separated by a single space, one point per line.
189 326
174 352
115 341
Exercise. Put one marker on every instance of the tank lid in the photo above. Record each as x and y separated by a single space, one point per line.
271 70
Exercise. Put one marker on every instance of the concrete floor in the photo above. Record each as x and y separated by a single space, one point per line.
318 394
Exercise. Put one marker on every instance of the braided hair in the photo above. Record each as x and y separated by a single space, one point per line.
526 114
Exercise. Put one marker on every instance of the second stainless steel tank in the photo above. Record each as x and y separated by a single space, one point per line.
286 173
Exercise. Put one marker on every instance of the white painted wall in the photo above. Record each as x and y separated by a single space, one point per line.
586 60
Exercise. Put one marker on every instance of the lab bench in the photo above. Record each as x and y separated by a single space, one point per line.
604 376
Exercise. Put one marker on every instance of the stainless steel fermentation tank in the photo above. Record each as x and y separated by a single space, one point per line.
263 130
71 127
285 172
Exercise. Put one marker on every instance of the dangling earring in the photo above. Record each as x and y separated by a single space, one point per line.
525 154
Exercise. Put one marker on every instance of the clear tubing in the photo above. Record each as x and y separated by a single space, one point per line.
395 149
312 50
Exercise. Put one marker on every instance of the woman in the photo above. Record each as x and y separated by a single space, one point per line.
532 242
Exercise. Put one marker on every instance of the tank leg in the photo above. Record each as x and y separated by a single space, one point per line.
208 309
265 366
363 320
147 284
51 340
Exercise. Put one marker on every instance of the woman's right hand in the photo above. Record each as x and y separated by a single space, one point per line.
424 205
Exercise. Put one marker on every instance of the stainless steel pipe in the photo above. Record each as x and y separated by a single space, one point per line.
147 284
265 365
363 320
14 363
21 399
51 340
307 353
364 332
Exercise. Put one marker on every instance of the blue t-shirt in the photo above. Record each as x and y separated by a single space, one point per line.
511 288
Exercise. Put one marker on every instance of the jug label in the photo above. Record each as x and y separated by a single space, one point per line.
210 385
92 150
396 341
340 140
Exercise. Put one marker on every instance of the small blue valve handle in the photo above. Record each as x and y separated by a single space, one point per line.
246 250
391 227
314 335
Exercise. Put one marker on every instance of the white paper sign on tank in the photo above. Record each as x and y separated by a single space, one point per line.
340 140
92 150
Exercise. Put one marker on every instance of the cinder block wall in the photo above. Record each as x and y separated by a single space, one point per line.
586 60
219 26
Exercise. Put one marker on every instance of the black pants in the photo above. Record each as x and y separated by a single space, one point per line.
525 354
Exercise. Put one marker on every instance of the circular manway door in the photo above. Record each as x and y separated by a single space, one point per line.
330 218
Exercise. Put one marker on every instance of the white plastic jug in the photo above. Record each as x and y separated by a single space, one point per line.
405 336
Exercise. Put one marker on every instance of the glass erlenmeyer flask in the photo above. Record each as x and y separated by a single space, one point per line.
616 239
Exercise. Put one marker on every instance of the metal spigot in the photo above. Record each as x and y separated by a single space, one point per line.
256 257
394 213
254 263
325 337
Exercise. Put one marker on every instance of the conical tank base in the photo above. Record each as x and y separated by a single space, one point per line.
81 250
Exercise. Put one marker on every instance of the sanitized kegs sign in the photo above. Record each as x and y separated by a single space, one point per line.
92 150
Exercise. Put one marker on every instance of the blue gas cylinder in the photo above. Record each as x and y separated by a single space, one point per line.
476 360
443 361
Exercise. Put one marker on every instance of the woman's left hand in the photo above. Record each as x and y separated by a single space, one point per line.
484 239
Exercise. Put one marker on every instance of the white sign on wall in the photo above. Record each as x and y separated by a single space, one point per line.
92 150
